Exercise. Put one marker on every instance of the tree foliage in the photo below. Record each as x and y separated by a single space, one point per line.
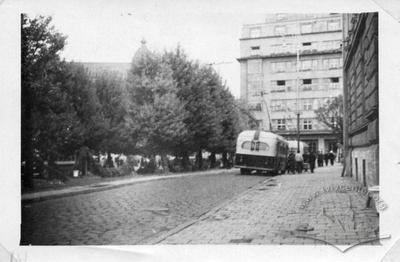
168 105
154 105
40 65
331 114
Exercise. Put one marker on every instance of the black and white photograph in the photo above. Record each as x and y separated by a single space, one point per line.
184 126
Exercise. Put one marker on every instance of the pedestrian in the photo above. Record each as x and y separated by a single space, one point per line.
331 157
326 158
291 163
299 162
306 161
312 161
320 159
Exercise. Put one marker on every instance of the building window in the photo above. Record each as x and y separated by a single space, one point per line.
255 50
312 145
334 83
333 25
307 124
281 124
281 82
255 32
255 107
277 105
278 67
320 26
307 84
280 86
307 104
316 104
255 88
334 63
306 28
280 30
306 65
254 66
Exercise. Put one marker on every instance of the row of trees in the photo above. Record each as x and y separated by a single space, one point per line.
168 105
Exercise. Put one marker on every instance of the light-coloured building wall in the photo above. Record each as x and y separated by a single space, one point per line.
267 59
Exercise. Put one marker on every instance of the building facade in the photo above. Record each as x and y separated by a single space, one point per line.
96 68
360 72
292 63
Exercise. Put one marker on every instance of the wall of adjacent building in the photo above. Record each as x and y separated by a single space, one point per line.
361 97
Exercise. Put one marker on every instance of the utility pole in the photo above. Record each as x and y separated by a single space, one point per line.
298 93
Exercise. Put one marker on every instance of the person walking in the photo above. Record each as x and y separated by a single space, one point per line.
299 162
306 161
291 164
320 159
326 158
312 159
331 157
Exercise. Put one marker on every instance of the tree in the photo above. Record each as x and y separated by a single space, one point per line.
331 114
155 109
40 47
213 117
112 98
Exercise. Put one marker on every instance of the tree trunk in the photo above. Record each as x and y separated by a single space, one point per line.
224 160
109 162
27 137
230 160
165 163
185 161
199 159
212 160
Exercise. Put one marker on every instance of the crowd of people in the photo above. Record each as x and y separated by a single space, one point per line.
298 162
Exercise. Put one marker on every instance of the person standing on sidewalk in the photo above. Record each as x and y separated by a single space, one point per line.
299 162
312 159
291 163
331 157
326 158
320 159
306 161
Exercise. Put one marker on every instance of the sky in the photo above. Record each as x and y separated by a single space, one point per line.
208 30
114 34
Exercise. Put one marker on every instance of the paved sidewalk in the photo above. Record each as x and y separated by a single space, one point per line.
75 190
276 213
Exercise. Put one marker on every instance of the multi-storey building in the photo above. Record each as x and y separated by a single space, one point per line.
96 68
360 72
292 63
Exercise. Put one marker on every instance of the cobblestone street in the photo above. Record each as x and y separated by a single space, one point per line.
130 214
272 213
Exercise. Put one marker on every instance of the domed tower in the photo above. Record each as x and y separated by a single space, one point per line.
142 60
142 52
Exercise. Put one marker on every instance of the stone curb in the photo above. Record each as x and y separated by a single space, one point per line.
158 239
78 190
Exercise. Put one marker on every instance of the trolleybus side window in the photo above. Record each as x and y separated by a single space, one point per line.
255 146
246 145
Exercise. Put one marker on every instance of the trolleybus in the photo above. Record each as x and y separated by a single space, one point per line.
261 151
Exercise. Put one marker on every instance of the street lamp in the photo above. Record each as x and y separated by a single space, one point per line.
295 37
266 107
297 93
